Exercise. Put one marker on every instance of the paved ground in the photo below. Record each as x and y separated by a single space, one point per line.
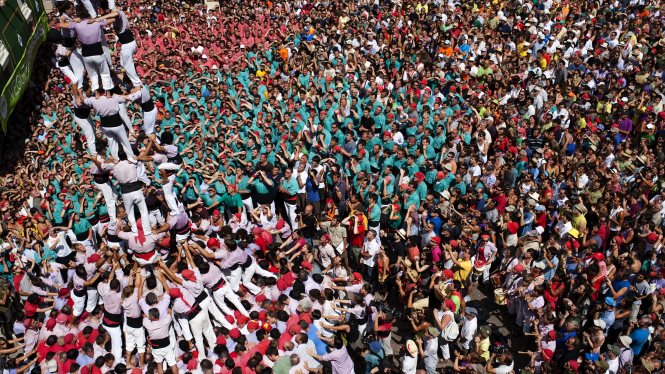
483 299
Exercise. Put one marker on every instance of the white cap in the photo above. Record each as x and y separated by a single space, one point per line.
215 67
204 56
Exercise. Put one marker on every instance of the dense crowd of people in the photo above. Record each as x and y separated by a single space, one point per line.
338 187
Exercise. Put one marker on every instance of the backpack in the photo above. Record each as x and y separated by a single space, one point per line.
451 331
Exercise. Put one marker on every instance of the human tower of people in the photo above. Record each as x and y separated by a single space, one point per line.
345 187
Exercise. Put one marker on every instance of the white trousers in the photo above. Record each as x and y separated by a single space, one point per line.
248 205
227 293
156 217
132 199
166 354
134 338
116 340
183 329
124 116
110 197
96 67
291 212
77 65
88 130
235 278
127 62
209 306
201 327
68 72
106 49
248 273
86 303
117 136
169 196
87 4
149 120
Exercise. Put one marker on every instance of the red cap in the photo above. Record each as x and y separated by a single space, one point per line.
175 292
63 292
518 268
390 115
50 324
232 187
192 364
450 304
94 258
512 227
326 237
547 354
419 176
435 240
189 275
241 320
485 237
306 265
260 298
448 274
454 243
440 175
281 284
253 325
357 277
220 340
263 316
234 334
238 216
387 133
69 338
598 256
213 243
27 322
165 242
216 213
230 319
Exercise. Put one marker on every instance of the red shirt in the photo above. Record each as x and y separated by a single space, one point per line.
357 240
31 309
82 339
43 349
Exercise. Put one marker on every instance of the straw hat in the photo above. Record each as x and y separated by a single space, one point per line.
412 348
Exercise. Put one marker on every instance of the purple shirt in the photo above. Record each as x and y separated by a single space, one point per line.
88 33
625 125
340 360
237 257
105 106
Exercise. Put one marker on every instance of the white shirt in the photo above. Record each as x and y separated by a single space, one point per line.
409 364
372 247
468 332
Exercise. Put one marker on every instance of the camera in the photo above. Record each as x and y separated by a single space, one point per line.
389 310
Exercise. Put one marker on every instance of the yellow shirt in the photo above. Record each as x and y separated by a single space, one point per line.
462 272
485 349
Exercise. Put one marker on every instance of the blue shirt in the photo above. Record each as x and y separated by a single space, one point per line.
640 337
